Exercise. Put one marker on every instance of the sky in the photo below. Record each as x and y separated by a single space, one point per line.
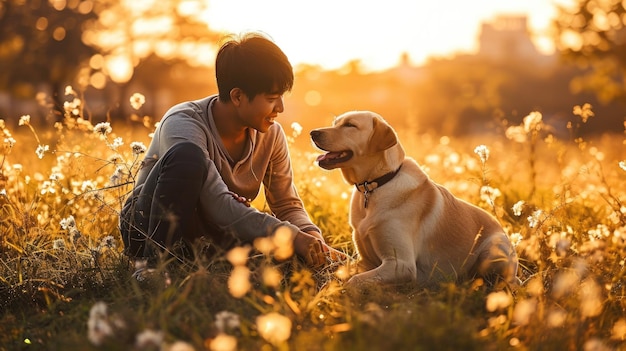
331 33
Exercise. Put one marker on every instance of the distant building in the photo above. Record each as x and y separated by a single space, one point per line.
507 37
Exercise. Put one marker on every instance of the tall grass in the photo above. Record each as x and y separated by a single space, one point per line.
64 283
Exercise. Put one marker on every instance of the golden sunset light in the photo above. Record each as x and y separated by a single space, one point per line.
321 175
331 33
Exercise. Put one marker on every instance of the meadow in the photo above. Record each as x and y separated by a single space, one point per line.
65 284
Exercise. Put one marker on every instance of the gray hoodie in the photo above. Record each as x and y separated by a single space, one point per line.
266 161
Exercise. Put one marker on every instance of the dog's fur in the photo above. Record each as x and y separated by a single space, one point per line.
411 229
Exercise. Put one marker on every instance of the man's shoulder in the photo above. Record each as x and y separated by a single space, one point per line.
191 108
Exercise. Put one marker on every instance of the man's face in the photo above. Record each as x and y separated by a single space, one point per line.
260 112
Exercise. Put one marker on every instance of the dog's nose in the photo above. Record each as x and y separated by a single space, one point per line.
315 133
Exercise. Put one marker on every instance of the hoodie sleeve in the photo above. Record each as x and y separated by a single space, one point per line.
280 190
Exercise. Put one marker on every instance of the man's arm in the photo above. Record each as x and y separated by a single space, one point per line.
280 190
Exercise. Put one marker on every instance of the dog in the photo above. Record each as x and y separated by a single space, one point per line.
407 228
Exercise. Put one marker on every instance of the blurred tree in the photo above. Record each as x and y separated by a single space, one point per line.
474 95
40 43
125 32
46 44
592 34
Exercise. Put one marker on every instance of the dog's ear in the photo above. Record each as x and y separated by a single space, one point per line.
383 137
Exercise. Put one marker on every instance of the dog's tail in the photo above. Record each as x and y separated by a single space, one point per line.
496 261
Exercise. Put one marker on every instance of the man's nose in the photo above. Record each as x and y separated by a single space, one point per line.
280 105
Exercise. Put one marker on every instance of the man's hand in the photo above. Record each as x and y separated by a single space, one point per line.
314 251
316 235
241 199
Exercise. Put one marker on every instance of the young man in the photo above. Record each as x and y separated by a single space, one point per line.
209 157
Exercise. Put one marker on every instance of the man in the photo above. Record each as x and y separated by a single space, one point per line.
209 157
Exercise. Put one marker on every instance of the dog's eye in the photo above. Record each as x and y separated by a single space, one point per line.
349 125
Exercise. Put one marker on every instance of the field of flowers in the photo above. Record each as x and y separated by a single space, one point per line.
65 285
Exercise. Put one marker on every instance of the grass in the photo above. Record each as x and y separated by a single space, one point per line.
65 285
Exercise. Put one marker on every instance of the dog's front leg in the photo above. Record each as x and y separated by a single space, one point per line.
387 255
391 271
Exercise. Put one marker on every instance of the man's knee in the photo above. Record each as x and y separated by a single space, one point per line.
186 158
186 150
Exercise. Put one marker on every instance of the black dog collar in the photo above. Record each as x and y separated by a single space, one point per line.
367 187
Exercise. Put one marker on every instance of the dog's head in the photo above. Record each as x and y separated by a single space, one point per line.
357 140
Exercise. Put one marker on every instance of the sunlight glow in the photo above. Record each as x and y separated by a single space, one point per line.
274 327
119 67
332 33
152 26
313 98
138 6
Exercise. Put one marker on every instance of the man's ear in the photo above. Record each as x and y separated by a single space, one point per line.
383 137
236 94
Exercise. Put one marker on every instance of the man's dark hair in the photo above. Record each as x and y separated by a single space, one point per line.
253 63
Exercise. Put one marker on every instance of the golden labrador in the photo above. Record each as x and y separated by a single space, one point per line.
407 228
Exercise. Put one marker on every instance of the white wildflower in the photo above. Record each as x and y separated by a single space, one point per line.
591 299
483 152
489 194
72 107
516 133
223 342
533 220
518 207
524 310
533 122
88 185
149 338
58 244
226 321
117 142
583 111
41 149
138 147
102 129
599 232
297 129
618 332
117 176
24 120
596 344
67 223
516 238
55 176
9 142
498 300
115 159
622 165
47 187
181 346
562 245
274 327
556 318
98 326
137 100
69 90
